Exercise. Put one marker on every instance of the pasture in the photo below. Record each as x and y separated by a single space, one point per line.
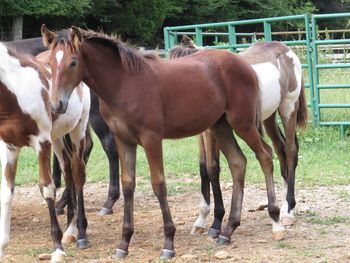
323 202
322 193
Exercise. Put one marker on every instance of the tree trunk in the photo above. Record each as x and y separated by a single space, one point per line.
17 28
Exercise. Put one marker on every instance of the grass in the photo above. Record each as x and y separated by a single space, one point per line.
323 156
327 221
323 160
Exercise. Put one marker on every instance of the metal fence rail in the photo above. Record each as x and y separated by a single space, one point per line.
307 38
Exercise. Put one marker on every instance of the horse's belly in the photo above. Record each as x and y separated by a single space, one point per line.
270 88
67 121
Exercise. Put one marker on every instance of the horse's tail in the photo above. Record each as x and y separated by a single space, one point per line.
258 118
302 109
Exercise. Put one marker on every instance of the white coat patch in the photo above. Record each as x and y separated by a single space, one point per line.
268 76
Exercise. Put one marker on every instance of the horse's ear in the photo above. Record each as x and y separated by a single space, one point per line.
48 36
76 37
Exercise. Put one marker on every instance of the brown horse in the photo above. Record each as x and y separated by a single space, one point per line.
145 99
280 77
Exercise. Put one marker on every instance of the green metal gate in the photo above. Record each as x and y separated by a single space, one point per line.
308 40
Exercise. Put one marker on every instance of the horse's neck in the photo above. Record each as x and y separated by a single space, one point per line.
95 74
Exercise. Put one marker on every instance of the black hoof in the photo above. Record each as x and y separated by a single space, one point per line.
83 243
119 253
59 211
105 211
214 233
222 241
167 254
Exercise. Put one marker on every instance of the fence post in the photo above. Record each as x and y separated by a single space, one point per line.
267 31
232 38
310 68
316 97
199 37
166 39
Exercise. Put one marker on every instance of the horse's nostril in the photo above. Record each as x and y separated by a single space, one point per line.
61 103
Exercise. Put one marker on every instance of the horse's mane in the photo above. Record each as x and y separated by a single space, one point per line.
181 51
132 59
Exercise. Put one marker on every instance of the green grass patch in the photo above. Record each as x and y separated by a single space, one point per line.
323 160
284 245
329 220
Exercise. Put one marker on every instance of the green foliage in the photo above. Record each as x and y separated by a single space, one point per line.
203 11
138 19
68 8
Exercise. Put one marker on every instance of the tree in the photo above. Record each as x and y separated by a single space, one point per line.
137 20
19 8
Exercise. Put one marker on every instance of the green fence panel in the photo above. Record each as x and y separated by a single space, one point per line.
310 41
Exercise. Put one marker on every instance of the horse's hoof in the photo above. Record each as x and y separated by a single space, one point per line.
59 211
68 239
83 243
222 241
105 211
119 253
57 256
197 230
167 254
288 221
213 233
279 235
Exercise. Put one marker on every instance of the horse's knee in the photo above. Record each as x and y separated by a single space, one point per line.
213 170
48 191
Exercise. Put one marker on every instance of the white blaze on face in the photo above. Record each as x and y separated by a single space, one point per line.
59 56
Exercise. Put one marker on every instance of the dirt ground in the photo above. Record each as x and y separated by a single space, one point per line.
321 233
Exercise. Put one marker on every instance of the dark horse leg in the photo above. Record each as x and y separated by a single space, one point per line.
60 205
108 144
287 152
152 144
210 171
237 163
292 149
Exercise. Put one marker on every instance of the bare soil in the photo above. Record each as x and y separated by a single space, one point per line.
321 233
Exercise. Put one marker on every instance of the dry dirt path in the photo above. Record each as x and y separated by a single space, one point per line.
321 233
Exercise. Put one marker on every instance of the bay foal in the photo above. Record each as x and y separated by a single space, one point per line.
145 99
26 120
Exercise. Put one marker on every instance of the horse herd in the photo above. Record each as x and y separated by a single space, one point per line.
136 99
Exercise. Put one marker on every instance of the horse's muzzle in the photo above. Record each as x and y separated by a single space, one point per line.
59 107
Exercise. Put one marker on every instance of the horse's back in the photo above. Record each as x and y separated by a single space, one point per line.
24 104
279 72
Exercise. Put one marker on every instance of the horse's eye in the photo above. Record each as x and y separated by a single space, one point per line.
73 64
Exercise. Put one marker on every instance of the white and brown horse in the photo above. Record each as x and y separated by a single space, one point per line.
26 120
280 76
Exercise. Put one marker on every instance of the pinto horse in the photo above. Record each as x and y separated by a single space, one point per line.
145 99
280 76
26 120
35 46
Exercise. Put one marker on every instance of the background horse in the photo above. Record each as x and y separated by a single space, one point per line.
280 76
145 99
26 120
34 46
